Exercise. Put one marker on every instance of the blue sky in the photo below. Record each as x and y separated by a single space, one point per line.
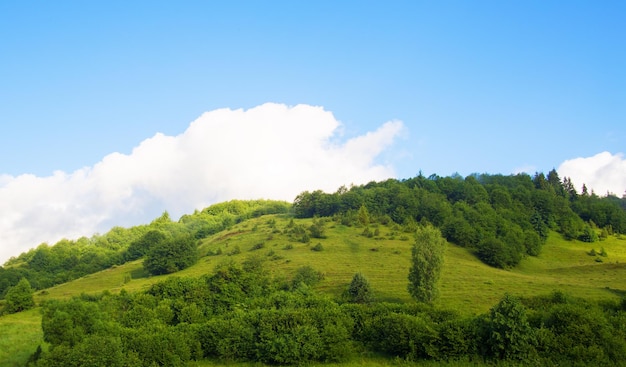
480 86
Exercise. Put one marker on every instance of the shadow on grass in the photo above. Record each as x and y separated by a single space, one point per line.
617 292
139 273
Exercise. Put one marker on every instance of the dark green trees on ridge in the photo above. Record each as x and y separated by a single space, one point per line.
503 218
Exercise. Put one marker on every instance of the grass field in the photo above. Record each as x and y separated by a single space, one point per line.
20 334
467 285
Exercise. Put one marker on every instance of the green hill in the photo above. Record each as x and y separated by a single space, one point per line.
467 285
533 272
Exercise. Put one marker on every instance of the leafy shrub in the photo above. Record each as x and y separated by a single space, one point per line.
258 246
509 334
318 229
307 275
588 234
318 247
367 233
235 251
401 335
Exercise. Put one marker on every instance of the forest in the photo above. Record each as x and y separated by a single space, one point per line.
243 310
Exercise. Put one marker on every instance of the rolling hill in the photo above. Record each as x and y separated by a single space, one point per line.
467 285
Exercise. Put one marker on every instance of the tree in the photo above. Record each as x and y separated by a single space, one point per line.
141 246
510 335
359 290
171 255
427 262
363 216
19 298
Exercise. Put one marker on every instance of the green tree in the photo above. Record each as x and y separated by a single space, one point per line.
141 246
510 335
19 297
171 255
363 216
359 290
427 262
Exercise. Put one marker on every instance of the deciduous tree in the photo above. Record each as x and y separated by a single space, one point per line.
426 265
20 297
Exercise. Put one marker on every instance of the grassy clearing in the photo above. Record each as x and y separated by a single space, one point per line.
20 334
467 285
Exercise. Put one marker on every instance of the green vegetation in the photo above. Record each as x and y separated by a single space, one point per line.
359 290
47 265
502 219
20 335
171 255
426 264
19 298
238 282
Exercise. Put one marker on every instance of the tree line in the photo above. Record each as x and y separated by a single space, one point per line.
503 218
46 265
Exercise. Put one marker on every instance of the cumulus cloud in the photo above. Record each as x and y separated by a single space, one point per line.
604 172
272 151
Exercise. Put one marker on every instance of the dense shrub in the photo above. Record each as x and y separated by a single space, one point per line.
359 290
509 335
19 298
306 275
171 255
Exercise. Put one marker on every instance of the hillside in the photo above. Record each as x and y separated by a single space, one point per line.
532 249
467 285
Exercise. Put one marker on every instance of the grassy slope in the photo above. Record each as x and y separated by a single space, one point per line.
20 334
467 285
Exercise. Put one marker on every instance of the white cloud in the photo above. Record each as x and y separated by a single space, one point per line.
604 172
529 169
270 151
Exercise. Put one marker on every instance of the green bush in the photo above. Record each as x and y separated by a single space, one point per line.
171 255
317 247
19 298
509 334
307 275
405 336
258 246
